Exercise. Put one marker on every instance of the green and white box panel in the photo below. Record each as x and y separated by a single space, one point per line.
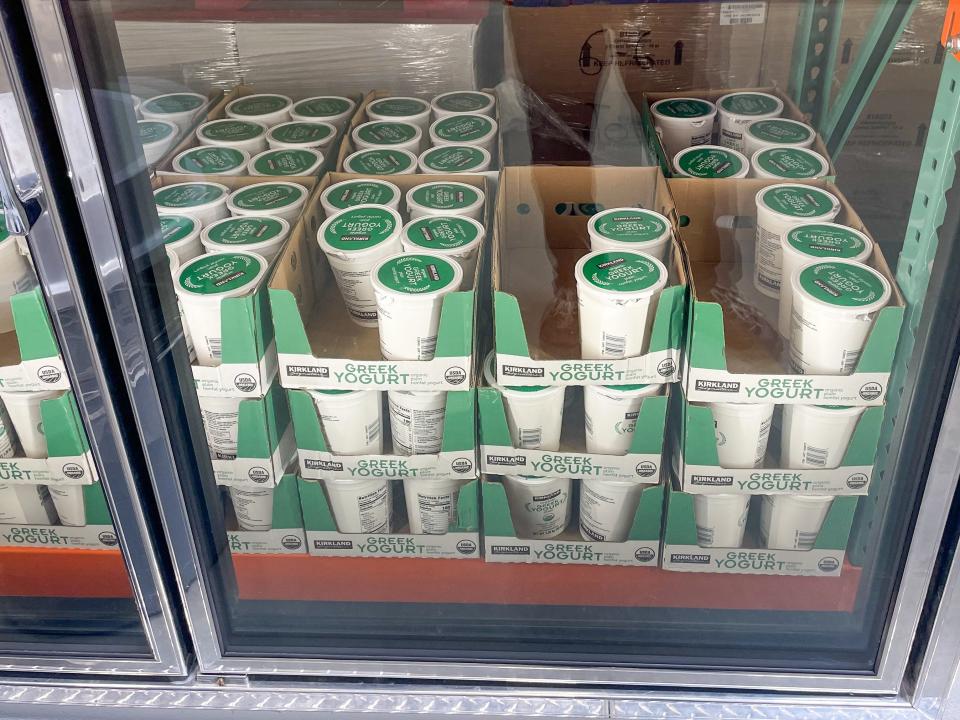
457 458
286 536
501 544
641 464
31 360
97 534
541 232
461 541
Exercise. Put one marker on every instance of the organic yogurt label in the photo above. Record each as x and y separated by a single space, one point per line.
210 160
360 228
268 196
463 102
176 227
173 103
188 195
381 161
750 104
444 196
417 274
360 192
398 107
291 161
780 131
152 131
628 225
790 163
453 158
302 132
621 272
799 201
258 105
683 108
245 230
847 285
826 241
322 107
710 163
220 273
231 130
387 133
442 233
463 128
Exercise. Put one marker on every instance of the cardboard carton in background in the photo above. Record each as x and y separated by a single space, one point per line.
30 357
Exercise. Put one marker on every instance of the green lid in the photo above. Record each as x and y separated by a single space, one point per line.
780 131
621 272
846 285
790 163
445 196
360 192
220 273
336 392
267 196
302 132
323 107
823 240
442 233
710 162
398 107
748 103
454 158
463 128
175 103
188 195
360 228
627 388
380 161
152 131
630 225
463 102
258 105
799 201
245 230
174 228
210 160
380 132
683 108
287 161
834 407
417 274
230 130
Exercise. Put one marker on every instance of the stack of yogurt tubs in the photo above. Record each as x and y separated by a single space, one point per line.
164 119
393 276
618 285
741 135
454 133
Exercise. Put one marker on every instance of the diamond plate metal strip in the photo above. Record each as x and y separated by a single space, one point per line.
731 709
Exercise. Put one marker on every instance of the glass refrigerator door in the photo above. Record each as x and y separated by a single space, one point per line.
677 488
81 585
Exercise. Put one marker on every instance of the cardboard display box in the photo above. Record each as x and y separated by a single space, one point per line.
30 358
641 464
541 233
734 351
97 534
320 347
462 541
501 544
286 537
681 552
457 457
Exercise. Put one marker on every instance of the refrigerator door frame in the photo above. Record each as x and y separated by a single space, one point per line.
60 71
28 185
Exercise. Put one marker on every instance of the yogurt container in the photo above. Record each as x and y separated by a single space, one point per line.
742 431
788 163
445 198
25 505
7 449
401 109
331 109
221 416
834 305
253 508
780 208
817 436
178 108
534 413
607 508
212 160
451 236
23 409
354 241
352 420
286 162
463 102
711 162
16 274
452 159
181 235
721 519
683 122
610 415
205 201
262 108
776 132
409 289
156 138
279 198
792 522
246 135
174 271
381 161
431 504
810 242
349 193
632 229
540 507
299 134
477 130
260 234
617 292
362 505
416 421
202 284
390 135
738 110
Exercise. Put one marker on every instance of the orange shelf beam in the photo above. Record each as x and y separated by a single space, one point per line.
63 572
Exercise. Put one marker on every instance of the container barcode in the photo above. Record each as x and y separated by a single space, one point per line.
849 361
814 456
805 540
215 346
427 347
530 437
614 345
704 536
